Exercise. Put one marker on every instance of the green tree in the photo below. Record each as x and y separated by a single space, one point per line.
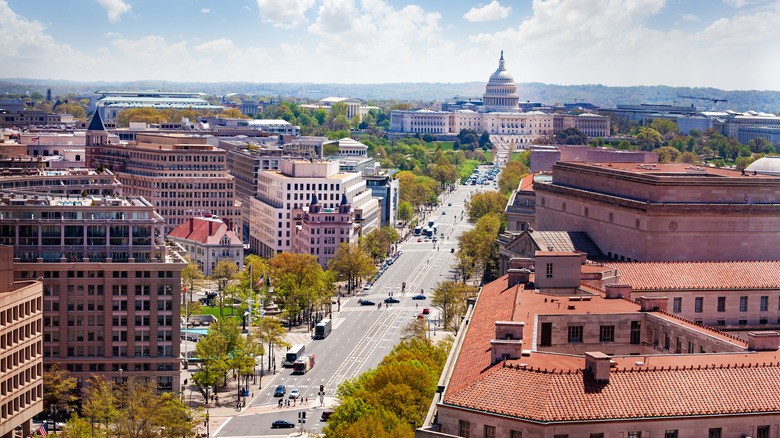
450 297
58 386
352 264
667 154
662 126
510 178
477 243
191 278
405 212
482 204
571 136
223 273
296 279
648 138
272 333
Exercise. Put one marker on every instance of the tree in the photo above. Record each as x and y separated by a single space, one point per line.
99 404
144 414
352 264
511 176
58 388
218 351
223 273
191 277
450 297
272 333
687 157
484 141
405 212
485 203
648 138
477 243
664 125
232 113
571 136
667 154
296 278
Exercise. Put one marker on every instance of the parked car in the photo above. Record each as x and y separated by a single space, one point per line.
280 391
449 204
295 394
419 297
391 300
426 311
282 424
367 303
367 286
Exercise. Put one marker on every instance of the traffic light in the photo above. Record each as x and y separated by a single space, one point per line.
322 388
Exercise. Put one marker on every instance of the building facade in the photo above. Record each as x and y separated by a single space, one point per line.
21 348
181 175
282 195
664 212
208 241
322 230
109 103
111 286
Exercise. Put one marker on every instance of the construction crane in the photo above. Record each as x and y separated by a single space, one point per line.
711 99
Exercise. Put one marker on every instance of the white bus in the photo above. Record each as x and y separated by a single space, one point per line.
323 329
293 354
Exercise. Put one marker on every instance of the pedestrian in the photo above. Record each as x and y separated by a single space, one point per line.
294 400
280 403
307 400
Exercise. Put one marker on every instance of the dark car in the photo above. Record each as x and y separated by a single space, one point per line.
367 303
419 297
391 300
326 415
280 391
281 424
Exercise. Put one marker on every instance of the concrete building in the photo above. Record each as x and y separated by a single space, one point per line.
70 147
110 103
68 182
521 207
34 118
354 107
250 107
282 195
544 156
385 188
12 105
500 114
322 230
543 354
208 241
111 292
21 348
270 126
181 175
664 212
527 243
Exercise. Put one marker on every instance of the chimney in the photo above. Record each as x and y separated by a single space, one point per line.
653 304
515 276
192 224
598 364
584 256
618 290
763 341
211 227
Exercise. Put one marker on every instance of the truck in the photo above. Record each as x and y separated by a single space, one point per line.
303 364
323 328
295 352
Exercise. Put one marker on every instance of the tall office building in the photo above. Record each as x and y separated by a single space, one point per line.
111 291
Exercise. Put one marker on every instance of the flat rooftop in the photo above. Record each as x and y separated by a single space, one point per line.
670 169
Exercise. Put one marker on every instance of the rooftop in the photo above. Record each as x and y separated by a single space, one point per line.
724 275
669 169
204 230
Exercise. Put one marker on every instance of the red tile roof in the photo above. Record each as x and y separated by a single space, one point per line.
699 275
206 231
572 396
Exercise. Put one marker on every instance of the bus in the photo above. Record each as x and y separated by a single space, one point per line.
303 364
322 330
428 231
417 230
293 354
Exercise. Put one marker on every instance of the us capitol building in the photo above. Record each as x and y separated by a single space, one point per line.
500 114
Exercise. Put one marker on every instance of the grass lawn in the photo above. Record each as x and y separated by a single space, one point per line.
515 157
445 145
489 155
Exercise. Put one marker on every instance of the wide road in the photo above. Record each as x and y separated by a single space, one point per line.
362 335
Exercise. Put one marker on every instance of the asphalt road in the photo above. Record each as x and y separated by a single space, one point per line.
363 335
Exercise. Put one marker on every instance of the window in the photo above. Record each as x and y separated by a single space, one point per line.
575 333
670 434
515 434
762 431
743 304
490 431
635 434
721 304
677 304
464 429
597 435
607 333
549 270
764 303
561 435
636 333
698 304
715 432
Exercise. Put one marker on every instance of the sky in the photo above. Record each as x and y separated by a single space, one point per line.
727 44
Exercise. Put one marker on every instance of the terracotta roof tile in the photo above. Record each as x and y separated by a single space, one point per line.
699 275
198 230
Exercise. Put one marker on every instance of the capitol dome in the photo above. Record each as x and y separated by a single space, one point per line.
501 91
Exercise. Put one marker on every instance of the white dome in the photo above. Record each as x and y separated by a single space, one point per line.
501 91
769 165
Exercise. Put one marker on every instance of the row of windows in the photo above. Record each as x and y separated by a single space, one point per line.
606 333
464 430
698 304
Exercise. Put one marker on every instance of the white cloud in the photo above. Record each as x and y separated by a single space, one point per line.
205 11
218 45
489 12
114 8
689 17
112 34
289 13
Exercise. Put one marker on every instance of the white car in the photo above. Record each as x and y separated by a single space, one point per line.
295 393
367 286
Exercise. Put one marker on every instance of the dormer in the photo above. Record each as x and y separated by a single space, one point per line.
508 343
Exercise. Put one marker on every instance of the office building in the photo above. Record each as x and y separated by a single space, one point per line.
109 103
322 230
21 348
111 286
68 182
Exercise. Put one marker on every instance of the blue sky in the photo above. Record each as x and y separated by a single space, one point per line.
729 44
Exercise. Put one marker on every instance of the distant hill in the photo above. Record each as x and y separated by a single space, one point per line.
601 95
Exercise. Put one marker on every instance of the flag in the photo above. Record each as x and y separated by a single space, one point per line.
260 280
35 139
42 430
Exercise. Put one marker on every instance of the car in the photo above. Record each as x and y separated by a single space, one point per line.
367 286
452 250
449 204
419 297
295 394
282 424
391 300
367 303
419 239
280 391
444 213
426 311
326 415
420 316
